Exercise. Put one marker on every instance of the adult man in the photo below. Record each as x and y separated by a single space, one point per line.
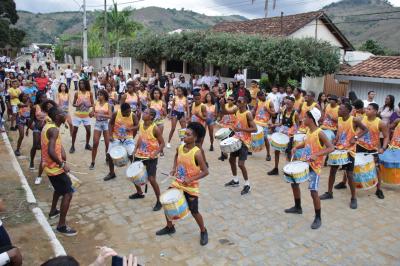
68 75
123 128
206 79
241 92
53 162
350 129
370 99
331 114
274 98
182 83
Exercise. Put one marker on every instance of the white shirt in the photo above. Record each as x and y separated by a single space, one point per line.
122 86
366 103
136 76
62 79
281 96
274 97
68 73
239 77
206 80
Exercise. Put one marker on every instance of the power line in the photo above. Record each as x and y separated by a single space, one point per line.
118 4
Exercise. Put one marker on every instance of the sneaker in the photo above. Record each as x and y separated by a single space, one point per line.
268 158
72 150
340 185
353 204
91 167
38 180
326 196
137 196
246 189
17 153
232 183
294 210
316 224
379 194
203 238
168 145
249 153
157 207
88 147
31 166
166 231
109 177
211 148
67 231
55 214
274 171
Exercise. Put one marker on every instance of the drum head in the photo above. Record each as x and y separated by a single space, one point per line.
363 158
228 141
295 167
134 169
170 196
118 152
280 138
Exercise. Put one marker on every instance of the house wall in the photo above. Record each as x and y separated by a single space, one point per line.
314 84
361 89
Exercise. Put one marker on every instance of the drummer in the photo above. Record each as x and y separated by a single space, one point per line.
298 99
370 142
316 145
244 126
307 105
350 129
123 128
150 143
331 114
228 119
199 115
161 110
263 111
395 141
189 167
288 126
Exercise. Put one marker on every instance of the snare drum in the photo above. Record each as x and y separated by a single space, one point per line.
75 181
174 204
223 133
119 156
329 134
137 173
230 145
296 172
365 176
338 157
279 141
257 140
181 133
389 168
298 138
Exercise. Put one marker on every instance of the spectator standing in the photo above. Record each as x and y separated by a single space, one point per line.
370 99
206 79
68 75
41 81
387 110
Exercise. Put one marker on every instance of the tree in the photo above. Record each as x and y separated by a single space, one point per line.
8 17
374 47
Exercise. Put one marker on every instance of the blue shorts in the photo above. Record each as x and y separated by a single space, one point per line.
265 131
313 180
210 121
22 121
76 121
101 125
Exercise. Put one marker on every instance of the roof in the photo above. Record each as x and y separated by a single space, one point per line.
382 69
281 26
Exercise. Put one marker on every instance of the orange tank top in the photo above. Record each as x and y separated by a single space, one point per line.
330 112
228 120
83 111
370 140
158 107
63 101
396 137
123 127
345 132
196 111
186 167
262 116
101 111
241 122
50 167
148 142
180 104
298 102
304 109
312 145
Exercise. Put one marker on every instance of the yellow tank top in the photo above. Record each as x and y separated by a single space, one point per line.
143 97
298 102
262 117
329 114
396 137
345 132
196 110
63 101
241 122
148 142
370 140
83 111
186 167
228 120
180 104
101 111
123 127
50 167
312 146
304 109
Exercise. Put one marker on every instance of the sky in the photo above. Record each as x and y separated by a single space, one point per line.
208 7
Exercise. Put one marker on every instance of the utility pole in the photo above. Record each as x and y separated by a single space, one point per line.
105 28
85 45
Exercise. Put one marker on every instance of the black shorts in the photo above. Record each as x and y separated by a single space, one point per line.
61 183
350 166
4 240
193 203
242 153
151 165
178 115
364 150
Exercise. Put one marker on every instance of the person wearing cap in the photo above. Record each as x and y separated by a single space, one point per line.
331 114
315 146
350 130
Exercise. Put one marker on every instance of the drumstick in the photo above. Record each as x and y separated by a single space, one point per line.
79 173
71 163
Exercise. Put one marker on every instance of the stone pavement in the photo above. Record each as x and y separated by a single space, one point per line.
243 230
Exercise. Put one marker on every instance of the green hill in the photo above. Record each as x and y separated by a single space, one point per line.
382 27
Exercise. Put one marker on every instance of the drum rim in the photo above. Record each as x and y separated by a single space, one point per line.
170 191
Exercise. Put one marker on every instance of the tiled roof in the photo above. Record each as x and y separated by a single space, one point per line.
376 67
281 26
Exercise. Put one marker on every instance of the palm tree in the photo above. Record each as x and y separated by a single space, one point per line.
266 6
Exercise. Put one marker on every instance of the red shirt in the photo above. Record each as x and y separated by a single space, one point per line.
41 83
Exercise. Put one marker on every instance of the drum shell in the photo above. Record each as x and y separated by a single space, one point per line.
257 140
122 159
338 158
140 178
176 210
365 175
223 133
234 145
390 176
299 172
279 141
76 183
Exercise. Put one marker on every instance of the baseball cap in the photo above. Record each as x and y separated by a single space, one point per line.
316 114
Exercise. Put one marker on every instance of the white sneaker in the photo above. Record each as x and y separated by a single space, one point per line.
38 180
169 145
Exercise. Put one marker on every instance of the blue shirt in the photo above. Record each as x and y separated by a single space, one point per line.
31 91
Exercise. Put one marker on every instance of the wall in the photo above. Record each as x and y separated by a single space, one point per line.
314 84
361 89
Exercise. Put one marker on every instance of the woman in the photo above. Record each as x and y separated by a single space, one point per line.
83 101
132 98
160 107
229 91
388 109
102 112
23 115
180 108
41 81
7 98
143 96
112 96
211 115
322 102
63 102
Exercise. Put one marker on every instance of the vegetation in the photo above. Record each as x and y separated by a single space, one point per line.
10 35
280 58
373 47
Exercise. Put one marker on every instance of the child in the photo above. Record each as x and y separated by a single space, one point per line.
228 118
63 102
189 167
159 106
14 92
211 116
179 111
24 113
316 145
